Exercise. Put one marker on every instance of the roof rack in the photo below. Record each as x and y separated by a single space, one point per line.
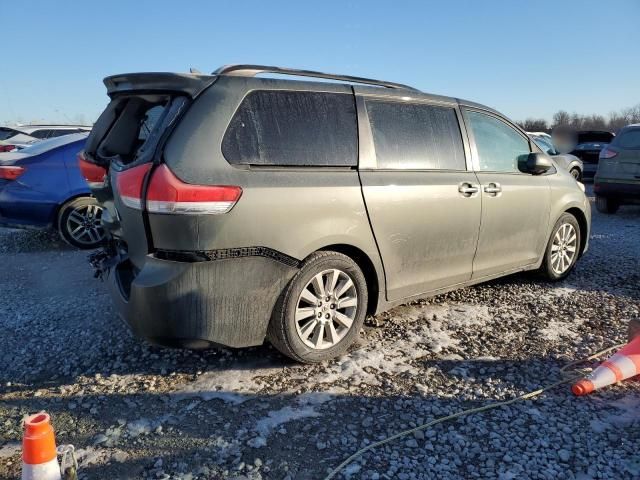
253 70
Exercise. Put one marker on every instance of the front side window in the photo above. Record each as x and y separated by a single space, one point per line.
415 136
500 147
294 128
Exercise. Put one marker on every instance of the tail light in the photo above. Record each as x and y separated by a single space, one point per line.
10 172
7 148
168 194
93 174
606 152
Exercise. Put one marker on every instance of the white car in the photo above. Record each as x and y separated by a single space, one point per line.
15 138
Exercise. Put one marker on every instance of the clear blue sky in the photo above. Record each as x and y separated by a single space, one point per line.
524 58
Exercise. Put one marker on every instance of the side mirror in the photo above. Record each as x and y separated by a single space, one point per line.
538 163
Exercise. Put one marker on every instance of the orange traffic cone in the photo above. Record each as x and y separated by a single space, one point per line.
39 458
624 364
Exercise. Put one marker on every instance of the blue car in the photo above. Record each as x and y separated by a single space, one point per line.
41 186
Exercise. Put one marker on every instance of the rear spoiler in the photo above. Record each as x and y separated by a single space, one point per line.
188 83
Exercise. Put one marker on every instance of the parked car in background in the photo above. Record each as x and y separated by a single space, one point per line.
15 138
569 162
617 181
588 147
41 187
241 208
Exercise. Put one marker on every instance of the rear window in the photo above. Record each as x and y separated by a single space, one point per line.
415 136
292 128
628 139
6 133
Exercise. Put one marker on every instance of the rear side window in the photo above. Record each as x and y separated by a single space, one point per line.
415 136
500 147
293 128
629 139
41 134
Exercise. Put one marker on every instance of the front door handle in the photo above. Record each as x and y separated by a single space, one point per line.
493 188
467 189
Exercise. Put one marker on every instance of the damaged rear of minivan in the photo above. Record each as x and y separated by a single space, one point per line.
201 247
123 163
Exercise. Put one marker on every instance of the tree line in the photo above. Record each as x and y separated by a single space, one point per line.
612 123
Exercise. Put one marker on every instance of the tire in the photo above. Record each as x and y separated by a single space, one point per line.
79 223
288 335
606 205
576 173
555 266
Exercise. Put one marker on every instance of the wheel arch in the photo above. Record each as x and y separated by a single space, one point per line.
368 269
582 222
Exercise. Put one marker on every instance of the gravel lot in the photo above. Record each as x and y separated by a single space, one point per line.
137 411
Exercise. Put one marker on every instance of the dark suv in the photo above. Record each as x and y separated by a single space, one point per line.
241 208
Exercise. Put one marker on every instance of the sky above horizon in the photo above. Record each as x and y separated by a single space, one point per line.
527 59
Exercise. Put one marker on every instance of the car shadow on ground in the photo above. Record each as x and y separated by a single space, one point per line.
142 427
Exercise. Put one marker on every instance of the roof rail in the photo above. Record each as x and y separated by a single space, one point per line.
253 70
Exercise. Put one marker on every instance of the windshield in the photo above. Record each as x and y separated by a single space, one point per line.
46 145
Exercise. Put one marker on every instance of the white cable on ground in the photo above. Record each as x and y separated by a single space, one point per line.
470 411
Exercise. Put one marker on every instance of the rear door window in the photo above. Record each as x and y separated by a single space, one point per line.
293 128
628 140
500 147
415 136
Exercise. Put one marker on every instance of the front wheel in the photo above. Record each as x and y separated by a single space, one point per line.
563 248
575 173
606 205
79 223
321 311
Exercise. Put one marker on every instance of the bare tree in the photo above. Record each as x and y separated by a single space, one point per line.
561 117
613 122
535 125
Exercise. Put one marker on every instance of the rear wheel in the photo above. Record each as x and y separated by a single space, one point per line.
563 248
79 223
575 173
321 310
606 205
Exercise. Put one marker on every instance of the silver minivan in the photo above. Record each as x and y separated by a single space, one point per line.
241 208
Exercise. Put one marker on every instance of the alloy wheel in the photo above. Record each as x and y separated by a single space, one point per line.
84 224
564 248
326 309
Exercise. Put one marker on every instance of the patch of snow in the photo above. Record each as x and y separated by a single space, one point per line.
9 450
433 334
232 385
303 407
557 330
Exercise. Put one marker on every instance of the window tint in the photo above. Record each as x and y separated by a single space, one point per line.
149 121
42 134
6 133
500 147
293 128
629 139
409 135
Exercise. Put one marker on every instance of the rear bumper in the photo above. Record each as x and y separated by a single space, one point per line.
622 191
226 301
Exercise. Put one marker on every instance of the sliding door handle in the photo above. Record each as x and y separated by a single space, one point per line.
493 188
